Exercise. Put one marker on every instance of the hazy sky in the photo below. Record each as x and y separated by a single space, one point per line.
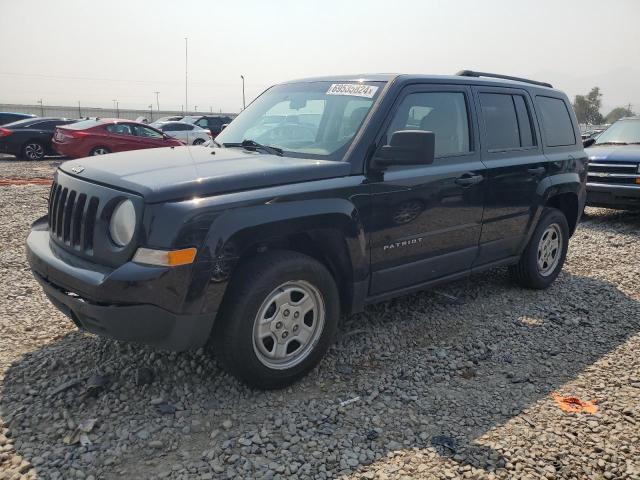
94 52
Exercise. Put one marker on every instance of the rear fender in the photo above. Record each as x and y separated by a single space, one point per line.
553 185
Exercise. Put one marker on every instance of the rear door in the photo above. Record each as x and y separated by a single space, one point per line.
426 219
516 165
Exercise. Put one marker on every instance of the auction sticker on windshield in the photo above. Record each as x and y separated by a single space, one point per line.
352 89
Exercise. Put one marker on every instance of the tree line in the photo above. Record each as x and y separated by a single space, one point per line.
587 108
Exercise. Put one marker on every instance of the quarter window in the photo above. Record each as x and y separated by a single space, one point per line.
556 122
443 113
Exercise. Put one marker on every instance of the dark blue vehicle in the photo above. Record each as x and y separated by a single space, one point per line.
614 166
30 138
323 196
8 117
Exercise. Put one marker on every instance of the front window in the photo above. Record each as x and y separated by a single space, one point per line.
147 132
623 132
311 120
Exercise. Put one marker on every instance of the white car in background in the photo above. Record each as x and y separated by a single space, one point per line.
187 132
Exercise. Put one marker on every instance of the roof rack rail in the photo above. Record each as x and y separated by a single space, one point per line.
471 73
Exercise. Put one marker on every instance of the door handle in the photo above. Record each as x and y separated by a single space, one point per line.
469 179
536 170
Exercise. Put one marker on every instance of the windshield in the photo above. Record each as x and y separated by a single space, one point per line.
311 120
623 131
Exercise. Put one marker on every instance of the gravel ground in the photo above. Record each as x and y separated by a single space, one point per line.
453 383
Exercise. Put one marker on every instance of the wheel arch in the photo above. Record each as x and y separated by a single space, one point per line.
330 231
565 192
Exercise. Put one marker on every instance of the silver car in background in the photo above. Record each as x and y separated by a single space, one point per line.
186 132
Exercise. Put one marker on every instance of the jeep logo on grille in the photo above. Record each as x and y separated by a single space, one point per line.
77 169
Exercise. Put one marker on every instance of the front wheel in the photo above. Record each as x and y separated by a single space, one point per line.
278 319
544 256
198 141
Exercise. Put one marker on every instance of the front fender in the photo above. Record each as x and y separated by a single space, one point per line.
238 231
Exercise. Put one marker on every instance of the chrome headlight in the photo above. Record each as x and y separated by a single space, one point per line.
123 223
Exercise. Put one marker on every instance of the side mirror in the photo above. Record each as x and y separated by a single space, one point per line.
588 142
407 147
224 125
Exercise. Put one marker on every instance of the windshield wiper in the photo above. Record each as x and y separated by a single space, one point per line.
612 143
252 144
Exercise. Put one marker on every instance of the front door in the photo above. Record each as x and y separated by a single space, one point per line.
426 219
148 137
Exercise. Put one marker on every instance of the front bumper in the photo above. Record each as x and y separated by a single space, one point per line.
613 196
116 303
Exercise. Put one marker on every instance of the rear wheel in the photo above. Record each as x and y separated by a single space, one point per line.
33 151
278 319
99 151
544 256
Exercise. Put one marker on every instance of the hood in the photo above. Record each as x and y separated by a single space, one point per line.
161 174
619 153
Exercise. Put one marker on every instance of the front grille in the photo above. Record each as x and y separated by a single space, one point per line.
613 173
72 217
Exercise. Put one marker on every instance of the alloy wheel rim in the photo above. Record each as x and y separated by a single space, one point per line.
549 250
100 151
34 151
288 325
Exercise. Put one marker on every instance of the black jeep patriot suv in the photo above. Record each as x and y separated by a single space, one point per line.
323 196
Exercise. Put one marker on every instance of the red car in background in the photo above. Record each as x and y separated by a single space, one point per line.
105 135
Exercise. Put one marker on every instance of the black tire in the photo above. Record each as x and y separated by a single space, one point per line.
527 272
253 283
198 141
33 150
99 151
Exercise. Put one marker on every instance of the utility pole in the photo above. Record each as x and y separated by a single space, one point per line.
79 111
151 113
195 108
243 102
186 58
157 100
41 108
115 107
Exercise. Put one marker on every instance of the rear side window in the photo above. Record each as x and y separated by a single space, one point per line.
556 122
507 121
500 121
